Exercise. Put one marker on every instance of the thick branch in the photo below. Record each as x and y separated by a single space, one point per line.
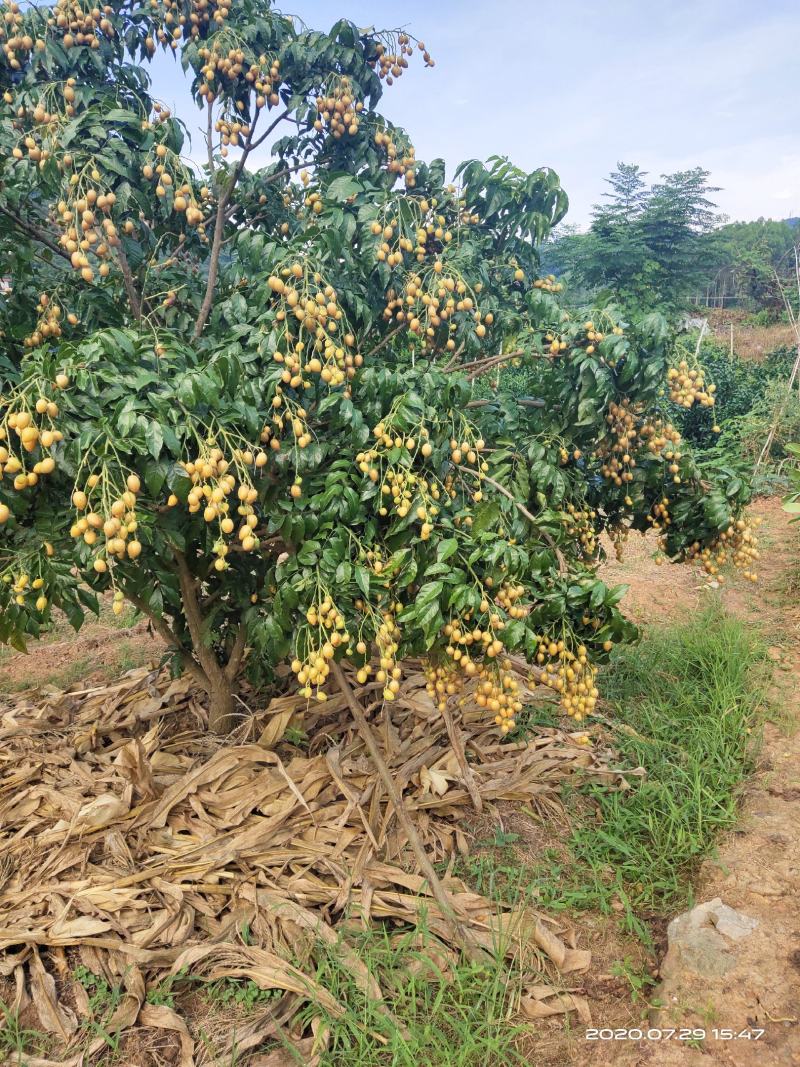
129 283
171 638
237 653
467 942
194 621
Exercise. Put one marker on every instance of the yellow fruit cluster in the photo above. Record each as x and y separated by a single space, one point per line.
293 416
391 58
17 46
48 323
580 524
310 322
102 507
431 235
431 299
168 172
623 423
688 386
223 67
86 225
569 674
548 284
659 514
497 689
387 642
338 110
177 24
327 632
31 424
508 597
401 161
737 545
213 482
23 587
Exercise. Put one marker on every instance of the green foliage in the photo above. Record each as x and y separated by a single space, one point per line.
19 1042
792 501
644 249
103 1001
743 258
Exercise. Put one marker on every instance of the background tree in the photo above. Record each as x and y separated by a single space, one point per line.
644 248
249 402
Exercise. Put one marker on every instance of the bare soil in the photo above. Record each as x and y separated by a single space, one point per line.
756 869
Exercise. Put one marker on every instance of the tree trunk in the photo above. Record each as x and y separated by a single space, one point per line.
220 708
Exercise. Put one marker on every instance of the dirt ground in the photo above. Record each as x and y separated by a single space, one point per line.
102 649
757 867
749 341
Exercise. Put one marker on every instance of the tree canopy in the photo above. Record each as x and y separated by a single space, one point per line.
253 402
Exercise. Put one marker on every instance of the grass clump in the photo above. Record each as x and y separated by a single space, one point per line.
445 1011
686 707
687 704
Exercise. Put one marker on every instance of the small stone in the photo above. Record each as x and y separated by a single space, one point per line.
702 941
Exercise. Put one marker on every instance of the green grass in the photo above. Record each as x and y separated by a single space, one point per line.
18 1042
686 705
449 1012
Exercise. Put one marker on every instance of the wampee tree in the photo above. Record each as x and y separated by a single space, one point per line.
270 407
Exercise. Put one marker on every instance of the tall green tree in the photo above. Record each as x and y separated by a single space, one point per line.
644 248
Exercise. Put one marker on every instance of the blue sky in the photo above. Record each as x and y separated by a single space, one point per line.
580 85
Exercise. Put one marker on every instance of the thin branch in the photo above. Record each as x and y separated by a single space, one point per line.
467 777
765 451
385 341
210 144
523 401
170 638
36 233
219 225
522 510
463 936
490 364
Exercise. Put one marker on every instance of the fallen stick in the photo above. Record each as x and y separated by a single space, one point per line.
468 944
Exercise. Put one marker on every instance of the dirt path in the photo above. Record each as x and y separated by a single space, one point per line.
752 984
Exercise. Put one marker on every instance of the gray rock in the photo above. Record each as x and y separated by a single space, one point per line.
703 941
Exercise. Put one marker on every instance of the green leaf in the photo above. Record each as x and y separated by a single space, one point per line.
446 548
155 439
